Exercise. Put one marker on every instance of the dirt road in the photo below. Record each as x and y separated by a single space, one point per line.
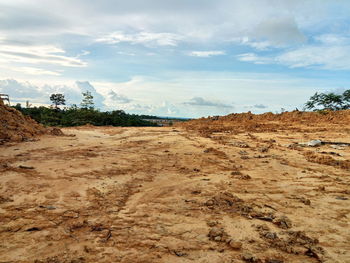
169 195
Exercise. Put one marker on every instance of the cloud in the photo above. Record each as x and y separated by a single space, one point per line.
206 54
256 44
165 22
21 91
332 39
326 57
20 17
144 38
254 58
32 70
260 106
118 98
199 101
126 53
162 109
279 31
38 54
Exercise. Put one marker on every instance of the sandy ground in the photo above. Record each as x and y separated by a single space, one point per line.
170 195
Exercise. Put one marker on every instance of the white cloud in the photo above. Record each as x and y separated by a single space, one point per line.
21 91
165 22
206 54
32 70
115 98
254 58
257 44
84 53
318 57
40 54
325 57
162 109
199 101
126 53
333 39
144 38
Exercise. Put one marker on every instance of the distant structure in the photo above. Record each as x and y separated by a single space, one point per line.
5 97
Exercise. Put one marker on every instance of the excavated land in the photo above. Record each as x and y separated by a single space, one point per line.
239 188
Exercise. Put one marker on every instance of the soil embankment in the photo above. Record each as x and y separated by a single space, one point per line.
15 127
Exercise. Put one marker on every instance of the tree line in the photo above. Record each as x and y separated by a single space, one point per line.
58 114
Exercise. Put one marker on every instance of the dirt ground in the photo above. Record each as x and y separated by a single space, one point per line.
171 194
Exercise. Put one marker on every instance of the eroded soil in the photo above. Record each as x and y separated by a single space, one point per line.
171 195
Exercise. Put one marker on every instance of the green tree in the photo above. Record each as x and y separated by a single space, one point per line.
57 99
88 100
329 101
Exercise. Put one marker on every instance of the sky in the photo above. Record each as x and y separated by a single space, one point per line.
183 58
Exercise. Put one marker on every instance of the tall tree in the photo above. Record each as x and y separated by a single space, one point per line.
87 101
57 99
329 101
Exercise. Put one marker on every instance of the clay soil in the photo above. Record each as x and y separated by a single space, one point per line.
193 193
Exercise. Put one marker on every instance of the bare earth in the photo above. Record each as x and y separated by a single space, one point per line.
171 195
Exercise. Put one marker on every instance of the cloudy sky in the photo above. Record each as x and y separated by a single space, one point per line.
185 58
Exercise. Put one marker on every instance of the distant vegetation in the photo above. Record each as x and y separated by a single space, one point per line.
85 114
329 101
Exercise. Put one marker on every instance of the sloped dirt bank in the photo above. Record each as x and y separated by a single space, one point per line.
16 127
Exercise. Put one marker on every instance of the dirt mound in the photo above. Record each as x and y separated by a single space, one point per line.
267 122
16 127
292 117
55 131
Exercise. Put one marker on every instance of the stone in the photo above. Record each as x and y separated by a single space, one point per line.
212 223
270 235
341 198
314 143
305 201
245 177
263 149
283 222
235 245
337 147
217 238
215 232
218 234
274 261
26 167
249 257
